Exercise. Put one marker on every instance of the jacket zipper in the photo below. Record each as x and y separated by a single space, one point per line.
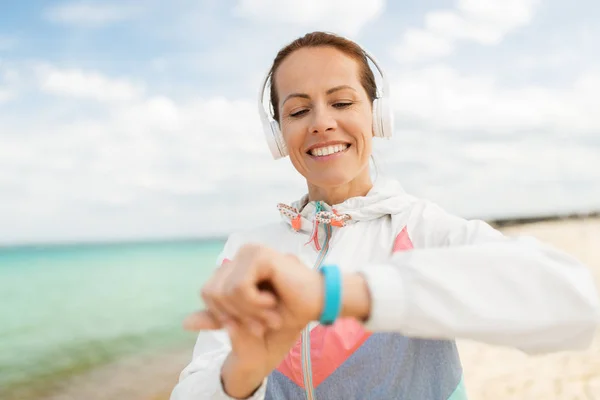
306 362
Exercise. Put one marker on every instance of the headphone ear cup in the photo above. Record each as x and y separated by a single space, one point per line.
278 138
377 126
383 118
386 117
274 139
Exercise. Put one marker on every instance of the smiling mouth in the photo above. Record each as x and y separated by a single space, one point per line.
328 150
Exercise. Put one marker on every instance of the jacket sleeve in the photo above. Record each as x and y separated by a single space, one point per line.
466 280
201 378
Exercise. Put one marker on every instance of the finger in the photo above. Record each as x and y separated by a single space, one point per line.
217 311
263 298
225 309
250 295
214 296
272 319
247 298
201 320
225 305
251 306
232 313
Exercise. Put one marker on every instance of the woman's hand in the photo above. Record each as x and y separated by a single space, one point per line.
261 288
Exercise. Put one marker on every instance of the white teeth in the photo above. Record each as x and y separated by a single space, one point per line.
327 150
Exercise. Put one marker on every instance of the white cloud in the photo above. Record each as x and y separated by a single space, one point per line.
86 84
484 177
421 44
342 16
557 59
482 21
500 16
440 98
89 14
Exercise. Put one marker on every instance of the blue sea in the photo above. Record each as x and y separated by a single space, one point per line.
65 309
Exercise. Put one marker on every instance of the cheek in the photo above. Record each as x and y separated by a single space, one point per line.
294 131
292 139
367 147
364 136
293 136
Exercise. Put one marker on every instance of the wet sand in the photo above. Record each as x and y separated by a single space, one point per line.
148 377
490 373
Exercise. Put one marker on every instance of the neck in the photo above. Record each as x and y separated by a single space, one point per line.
359 186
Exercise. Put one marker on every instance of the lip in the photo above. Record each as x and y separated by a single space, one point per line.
330 156
325 144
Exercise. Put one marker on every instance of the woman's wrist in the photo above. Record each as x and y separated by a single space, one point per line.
238 381
356 297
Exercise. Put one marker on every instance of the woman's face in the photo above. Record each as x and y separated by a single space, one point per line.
326 116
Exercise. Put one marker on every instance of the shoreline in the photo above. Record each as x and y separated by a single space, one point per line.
529 220
144 375
497 222
149 376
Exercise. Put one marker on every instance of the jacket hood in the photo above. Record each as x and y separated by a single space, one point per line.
386 197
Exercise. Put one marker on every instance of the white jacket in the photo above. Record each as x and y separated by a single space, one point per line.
433 277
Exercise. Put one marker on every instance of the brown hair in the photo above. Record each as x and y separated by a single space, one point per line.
319 39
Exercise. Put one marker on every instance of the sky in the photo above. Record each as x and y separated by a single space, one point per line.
124 119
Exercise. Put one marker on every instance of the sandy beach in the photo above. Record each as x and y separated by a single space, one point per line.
497 373
490 372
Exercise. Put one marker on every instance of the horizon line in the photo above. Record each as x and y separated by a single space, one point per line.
495 222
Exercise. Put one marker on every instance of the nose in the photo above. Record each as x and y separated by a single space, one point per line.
322 121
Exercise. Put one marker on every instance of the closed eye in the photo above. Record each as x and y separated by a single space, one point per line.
299 113
339 105
342 105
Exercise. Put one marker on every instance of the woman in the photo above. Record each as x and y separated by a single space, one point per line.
413 277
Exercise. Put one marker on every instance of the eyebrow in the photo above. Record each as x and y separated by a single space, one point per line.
329 91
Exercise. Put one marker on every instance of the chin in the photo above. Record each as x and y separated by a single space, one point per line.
330 180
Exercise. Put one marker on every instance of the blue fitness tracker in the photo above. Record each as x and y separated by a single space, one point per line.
332 306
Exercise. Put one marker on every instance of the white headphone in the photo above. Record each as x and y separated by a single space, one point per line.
383 118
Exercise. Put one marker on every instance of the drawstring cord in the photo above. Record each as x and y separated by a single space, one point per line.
314 236
328 218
